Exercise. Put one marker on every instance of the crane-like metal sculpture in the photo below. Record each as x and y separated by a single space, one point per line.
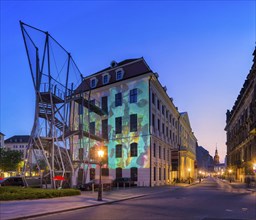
55 77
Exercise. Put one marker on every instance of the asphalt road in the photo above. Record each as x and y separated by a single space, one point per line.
205 201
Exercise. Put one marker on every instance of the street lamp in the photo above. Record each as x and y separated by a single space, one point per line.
254 167
100 154
189 175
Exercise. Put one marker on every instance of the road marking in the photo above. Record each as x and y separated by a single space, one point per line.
228 210
244 209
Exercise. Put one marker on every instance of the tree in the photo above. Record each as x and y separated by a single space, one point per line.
10 159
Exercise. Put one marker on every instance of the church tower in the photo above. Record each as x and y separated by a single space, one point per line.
216 157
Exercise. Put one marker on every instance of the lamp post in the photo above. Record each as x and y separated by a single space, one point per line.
189 175
254 167
100 154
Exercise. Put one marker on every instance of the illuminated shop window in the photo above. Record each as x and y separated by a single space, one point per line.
118 99
118 125
133 96
133 122
118 151
134 174
119 173
134 149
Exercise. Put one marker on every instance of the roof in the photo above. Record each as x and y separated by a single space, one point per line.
17 139
2 134
131 68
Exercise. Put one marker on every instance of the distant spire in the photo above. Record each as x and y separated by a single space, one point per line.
216 157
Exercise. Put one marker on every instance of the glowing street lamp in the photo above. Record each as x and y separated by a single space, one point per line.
100 154
254 167
229 172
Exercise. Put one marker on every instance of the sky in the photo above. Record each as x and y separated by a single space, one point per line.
202 51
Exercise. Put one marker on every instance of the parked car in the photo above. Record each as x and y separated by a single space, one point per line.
94 184
12 181
123 181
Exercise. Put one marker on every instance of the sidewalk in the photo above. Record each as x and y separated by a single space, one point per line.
21 209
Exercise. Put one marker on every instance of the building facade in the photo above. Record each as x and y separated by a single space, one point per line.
241 129
142 125
204 160
1 140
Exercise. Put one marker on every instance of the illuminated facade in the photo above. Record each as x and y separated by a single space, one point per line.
241 129
141 124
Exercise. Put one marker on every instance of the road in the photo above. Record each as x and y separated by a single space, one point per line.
205 201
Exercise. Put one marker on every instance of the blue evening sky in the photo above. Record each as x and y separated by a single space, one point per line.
202 51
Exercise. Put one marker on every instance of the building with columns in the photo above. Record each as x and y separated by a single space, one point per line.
241 129
142 126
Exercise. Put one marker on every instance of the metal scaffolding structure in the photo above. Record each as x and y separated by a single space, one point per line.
55 77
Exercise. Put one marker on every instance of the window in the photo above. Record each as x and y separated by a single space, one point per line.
93 82
163 109
92 127
154 150
167 114
92 173
104 127
104 104
160 152
105 78
119 173
160 173
118 151
119 125
118 99
91 104
133 96
158 104
166 131
134 150
80 109
104 171
164 174
153 99
119 74
133 122
163 128
134 173
158 124
164 154
153 120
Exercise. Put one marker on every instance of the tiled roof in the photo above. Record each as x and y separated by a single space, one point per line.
131 67
17 139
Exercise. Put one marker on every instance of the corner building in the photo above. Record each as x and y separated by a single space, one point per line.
141 125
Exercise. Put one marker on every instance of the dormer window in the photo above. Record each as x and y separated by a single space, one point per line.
105 78
119 74
93 82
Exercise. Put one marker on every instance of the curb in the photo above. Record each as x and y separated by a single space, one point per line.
77 208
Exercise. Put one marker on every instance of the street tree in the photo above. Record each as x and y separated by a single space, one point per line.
10 159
